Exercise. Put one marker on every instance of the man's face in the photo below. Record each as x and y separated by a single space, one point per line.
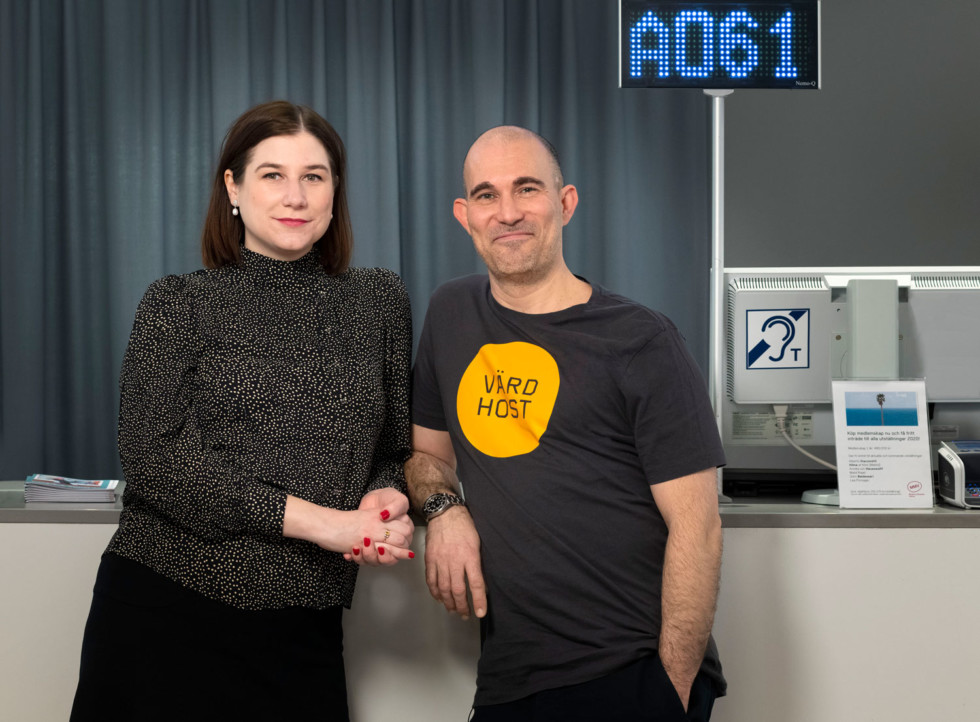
514 208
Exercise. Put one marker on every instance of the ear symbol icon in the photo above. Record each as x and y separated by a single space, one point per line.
789 332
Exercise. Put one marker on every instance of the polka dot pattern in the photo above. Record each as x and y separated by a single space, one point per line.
242 385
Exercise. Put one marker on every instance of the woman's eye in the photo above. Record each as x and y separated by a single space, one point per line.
272 176
313 177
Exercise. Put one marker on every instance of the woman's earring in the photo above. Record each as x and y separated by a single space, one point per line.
234 208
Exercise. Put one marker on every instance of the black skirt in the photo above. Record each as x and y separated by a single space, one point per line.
155 650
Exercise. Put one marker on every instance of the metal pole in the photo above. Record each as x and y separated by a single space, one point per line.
716 318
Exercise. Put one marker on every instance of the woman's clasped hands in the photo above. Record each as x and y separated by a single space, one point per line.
386 530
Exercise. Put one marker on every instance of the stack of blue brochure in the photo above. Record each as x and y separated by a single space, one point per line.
44 487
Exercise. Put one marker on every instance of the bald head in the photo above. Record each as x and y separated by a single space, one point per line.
502 136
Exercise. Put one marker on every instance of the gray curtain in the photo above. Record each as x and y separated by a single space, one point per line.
112 112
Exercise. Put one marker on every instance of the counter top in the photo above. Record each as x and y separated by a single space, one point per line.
14 509
742 512
787 512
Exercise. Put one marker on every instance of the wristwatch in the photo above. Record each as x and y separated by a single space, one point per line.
438 503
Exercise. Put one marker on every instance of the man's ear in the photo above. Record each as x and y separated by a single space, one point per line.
569 202
459 210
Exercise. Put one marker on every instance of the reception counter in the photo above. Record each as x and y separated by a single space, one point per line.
824 614
13 508
759 513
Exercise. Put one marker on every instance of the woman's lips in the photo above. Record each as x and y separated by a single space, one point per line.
293 222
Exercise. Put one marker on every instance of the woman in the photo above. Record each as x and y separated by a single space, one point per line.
262 428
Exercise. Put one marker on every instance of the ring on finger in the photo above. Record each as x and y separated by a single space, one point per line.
387 534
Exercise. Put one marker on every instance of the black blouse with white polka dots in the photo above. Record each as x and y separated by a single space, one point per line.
240 386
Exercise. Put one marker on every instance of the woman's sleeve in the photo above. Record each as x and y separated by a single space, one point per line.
394 442
168 465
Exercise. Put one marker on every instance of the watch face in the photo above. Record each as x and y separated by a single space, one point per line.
431 505
434 503
439 502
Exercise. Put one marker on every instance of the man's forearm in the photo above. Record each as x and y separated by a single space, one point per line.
692 565
427 475
452 545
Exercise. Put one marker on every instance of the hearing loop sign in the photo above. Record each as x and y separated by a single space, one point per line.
778 338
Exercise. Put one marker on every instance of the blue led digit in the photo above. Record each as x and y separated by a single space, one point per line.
738 64
784 29
690 17
649 24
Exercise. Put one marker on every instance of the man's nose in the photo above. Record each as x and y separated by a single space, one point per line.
509 210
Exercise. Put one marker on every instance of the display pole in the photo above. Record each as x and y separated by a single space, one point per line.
716 318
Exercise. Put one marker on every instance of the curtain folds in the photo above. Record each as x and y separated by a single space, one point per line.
112 113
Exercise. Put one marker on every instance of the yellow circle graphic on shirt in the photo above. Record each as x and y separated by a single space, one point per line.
506 396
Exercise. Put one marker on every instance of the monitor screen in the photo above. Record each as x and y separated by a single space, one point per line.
724 45
789 333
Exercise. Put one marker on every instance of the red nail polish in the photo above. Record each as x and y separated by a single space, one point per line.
356 551
385 514
367 541
411 555
381 551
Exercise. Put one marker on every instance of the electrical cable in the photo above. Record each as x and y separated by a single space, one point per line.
781 412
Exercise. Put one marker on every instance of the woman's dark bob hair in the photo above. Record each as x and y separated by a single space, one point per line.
224 233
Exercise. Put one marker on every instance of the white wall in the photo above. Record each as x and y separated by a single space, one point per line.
47 572
814 625
849 625
407 659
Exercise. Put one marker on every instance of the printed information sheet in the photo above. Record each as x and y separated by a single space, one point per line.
882 435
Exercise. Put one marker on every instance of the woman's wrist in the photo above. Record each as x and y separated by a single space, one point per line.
310 522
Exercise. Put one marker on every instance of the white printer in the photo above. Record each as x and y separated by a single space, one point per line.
959 473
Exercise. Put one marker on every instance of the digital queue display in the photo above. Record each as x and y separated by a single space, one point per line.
721 45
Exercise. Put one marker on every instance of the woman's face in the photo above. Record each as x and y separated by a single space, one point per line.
285 198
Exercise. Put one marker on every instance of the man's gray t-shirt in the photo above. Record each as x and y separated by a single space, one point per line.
560 423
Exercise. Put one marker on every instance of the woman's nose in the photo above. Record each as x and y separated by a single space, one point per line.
294 195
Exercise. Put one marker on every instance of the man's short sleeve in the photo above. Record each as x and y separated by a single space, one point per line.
427 409
675 428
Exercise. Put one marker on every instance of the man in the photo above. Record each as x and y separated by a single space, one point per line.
589 538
